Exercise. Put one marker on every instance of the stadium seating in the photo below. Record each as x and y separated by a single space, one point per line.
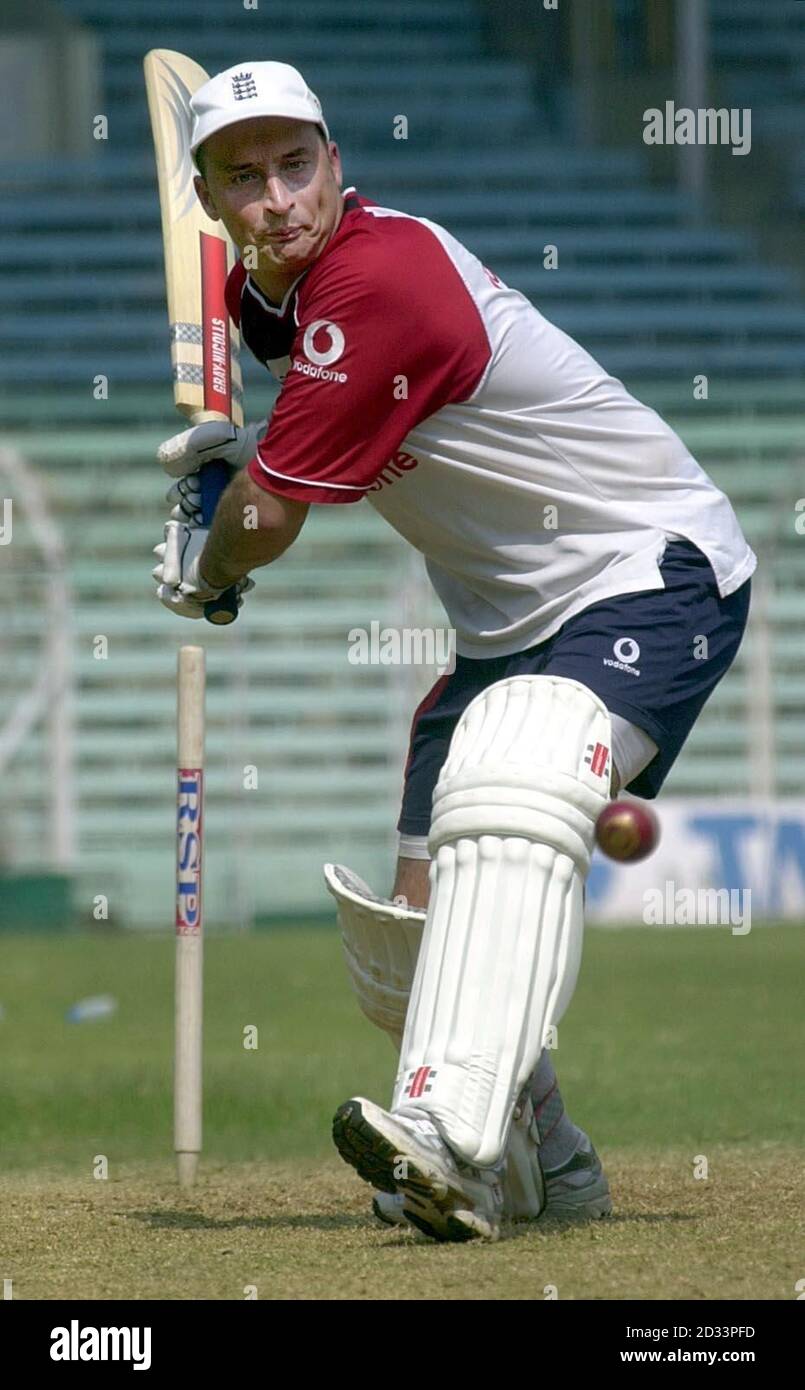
760 53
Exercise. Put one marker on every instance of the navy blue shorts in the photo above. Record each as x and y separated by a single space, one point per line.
637 652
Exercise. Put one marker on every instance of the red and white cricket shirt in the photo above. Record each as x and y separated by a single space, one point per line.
533 483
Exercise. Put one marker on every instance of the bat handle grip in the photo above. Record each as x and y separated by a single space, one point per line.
214 477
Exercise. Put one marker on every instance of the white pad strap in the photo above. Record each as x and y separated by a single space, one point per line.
512 833
381 943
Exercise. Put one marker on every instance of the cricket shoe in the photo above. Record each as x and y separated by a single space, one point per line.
442 1196
524 1194
576 1191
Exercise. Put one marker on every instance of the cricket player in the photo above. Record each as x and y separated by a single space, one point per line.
598 583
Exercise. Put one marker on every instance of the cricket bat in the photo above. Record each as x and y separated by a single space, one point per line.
198 256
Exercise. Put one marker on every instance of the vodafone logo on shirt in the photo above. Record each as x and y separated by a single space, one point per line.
322 344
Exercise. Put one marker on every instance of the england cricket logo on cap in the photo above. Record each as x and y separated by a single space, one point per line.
243 86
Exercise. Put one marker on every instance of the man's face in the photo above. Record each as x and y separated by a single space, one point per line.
276 186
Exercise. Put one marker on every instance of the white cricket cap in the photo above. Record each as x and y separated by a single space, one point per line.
252 89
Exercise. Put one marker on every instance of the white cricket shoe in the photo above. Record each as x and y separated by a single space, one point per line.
442 1195
523 1184
578 1191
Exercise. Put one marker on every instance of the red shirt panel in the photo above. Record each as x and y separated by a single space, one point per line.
393 316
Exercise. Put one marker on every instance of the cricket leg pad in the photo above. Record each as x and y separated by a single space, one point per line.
512 833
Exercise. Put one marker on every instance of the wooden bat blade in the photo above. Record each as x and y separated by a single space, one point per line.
198 254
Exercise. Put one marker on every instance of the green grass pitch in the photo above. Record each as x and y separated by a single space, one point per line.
678 1043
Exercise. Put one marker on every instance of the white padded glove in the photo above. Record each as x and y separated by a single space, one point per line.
179 585
185 499
184 453
216 439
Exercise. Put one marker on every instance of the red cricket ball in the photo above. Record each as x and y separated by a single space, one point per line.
627 831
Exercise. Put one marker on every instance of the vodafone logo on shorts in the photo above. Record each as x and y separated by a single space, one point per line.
625 652
323 344
626 649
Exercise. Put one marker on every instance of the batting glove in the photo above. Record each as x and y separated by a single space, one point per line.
184 454
180 586
185 500
216 439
